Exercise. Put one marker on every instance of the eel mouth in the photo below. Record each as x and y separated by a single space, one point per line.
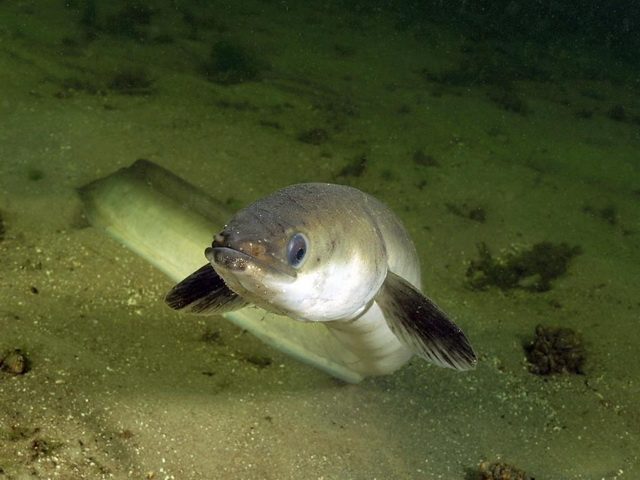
239 261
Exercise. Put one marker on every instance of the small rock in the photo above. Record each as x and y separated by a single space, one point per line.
15 362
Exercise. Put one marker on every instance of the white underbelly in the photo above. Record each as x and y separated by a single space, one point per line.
369 338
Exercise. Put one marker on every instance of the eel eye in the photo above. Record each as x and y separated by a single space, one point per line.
297 250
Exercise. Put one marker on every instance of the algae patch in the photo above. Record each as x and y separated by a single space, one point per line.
230 63
532 270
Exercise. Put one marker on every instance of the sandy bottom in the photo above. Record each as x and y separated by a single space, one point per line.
119 386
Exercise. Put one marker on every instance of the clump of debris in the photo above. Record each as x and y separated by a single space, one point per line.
500 471
556 350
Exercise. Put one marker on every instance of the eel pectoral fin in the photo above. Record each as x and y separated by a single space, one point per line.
205 293
421 325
